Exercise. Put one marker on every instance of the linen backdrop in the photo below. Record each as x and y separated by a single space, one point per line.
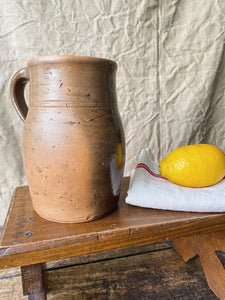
171 69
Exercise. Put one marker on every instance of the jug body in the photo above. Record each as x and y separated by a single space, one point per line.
73 140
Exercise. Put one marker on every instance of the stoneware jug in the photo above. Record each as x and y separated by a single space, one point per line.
73 140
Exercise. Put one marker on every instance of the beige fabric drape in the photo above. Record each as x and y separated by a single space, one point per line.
170 80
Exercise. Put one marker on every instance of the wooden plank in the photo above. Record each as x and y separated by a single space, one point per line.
107 255
206 245
147 276
29 239
34 281
155 274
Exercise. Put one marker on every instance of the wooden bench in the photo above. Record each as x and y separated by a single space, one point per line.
29 241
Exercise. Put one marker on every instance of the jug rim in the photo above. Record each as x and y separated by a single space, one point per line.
79 59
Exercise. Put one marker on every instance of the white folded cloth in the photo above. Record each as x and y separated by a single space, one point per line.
148 189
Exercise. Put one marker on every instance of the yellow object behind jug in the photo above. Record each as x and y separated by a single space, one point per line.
194 165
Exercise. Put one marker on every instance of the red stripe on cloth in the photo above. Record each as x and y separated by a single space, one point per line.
144 166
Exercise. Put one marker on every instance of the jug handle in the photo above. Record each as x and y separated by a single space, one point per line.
17 86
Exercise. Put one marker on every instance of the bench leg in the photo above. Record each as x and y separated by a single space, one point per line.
206 246
34 281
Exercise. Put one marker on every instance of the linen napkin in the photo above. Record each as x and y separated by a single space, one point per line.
149 189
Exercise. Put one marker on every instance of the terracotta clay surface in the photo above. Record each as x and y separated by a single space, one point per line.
73 142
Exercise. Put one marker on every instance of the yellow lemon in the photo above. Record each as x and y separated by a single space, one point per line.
194 165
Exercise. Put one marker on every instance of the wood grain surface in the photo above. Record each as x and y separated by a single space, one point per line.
29 239
34 281
138 273
210 249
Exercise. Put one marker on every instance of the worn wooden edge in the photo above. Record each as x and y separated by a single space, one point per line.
129 235
158 273
98 243
106 240
93 258
109 255
201 225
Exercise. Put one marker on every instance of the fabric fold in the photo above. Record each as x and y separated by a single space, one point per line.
150 190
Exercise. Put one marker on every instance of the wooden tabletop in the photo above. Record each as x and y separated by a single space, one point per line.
29 239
